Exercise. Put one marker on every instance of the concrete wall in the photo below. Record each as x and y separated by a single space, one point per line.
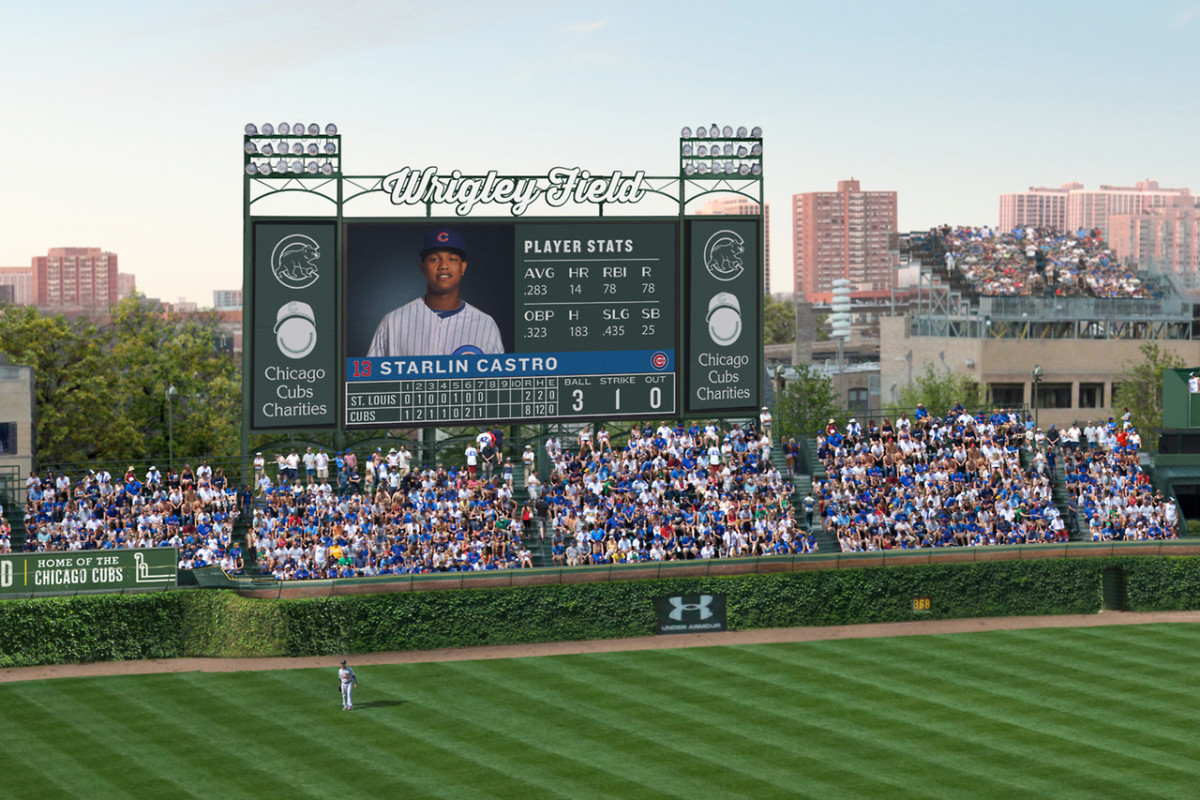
989 361
16 405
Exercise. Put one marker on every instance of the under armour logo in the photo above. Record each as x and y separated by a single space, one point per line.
701 607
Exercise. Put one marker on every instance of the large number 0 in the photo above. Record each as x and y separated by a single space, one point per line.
655 397
578 404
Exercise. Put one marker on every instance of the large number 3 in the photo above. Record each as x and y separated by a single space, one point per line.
578 404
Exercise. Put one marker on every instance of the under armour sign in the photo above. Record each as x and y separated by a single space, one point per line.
691 613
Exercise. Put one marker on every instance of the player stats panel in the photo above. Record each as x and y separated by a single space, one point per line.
588 322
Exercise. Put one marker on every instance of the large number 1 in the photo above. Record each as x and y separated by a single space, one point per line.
578 404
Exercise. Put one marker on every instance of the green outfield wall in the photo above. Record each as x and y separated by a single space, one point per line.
223 624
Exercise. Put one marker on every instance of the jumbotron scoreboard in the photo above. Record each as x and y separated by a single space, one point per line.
592 326
449 320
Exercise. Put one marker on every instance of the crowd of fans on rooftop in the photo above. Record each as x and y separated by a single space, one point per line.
1037 262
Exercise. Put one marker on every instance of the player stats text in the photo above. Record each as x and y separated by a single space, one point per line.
596 286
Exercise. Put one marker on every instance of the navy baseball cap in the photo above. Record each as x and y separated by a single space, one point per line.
444 239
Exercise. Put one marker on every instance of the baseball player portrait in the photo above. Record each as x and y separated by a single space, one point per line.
439 323
348 683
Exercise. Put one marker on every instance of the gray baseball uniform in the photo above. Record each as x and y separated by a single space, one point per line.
347 679
415 329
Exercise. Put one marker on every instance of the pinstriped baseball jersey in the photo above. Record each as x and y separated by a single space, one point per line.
415 329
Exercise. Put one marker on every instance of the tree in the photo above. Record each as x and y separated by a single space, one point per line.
823 328
779 321
807 403
101 393
938 391
1139 388
77 416
156 352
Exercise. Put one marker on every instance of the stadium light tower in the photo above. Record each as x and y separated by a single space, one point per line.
839 324
714 152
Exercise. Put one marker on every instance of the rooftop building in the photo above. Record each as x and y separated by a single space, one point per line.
844 234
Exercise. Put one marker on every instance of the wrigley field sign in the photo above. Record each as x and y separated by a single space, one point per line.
88 570
561 185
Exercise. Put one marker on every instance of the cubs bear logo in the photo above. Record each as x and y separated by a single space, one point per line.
723 255
294 261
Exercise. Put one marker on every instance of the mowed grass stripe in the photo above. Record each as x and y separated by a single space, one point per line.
439 734
477 734
1135 735
595 757
255 752
661 724
1045 713
1069 733
30 747
1116 703
699 728
1093 677
840 739
848 732
1038 737
351 752
984 746
161 741
1146 720
96 766
248 742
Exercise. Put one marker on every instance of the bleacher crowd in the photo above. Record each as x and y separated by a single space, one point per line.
191 509
959 480
670 493
1038 262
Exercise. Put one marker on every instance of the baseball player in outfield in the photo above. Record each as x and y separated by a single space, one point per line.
440 323
348 684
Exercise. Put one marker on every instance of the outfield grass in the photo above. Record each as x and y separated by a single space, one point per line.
1089 712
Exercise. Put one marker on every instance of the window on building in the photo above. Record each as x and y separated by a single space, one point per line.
8 438
1053 395
1007 394
858 402
1091 395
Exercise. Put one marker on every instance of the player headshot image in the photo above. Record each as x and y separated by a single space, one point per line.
440 323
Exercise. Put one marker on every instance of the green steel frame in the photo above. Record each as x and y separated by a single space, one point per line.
337 190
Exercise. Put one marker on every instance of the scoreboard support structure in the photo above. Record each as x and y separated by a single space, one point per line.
581 297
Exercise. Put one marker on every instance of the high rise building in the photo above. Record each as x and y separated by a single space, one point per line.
1163 239
734 205
1072 207
844 234
1091 209
21 281
227 299
1040 207
126 285
75 280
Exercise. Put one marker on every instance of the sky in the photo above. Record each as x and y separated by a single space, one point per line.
121 122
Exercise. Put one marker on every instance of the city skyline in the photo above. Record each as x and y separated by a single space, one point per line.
128 134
